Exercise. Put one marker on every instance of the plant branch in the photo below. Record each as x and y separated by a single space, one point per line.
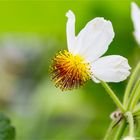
135 98
130 84
109 131
133 93
130 120
121 130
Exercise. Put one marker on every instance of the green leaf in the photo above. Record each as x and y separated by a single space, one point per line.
7 131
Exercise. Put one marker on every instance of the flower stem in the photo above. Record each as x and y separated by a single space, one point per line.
130 84
109 131
135 99
121 130
136 113
130 120
136 109
133 93
113 96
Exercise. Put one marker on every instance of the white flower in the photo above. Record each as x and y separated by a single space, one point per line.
135 15
129 138
83 60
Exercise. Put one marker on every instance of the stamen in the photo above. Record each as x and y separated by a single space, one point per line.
69 71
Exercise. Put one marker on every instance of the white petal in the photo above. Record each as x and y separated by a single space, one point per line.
113 68
70 30
129 138
94 39
135 15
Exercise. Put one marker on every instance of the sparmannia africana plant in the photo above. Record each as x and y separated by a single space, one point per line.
83 61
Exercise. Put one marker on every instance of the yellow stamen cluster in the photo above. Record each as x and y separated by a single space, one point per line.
69 71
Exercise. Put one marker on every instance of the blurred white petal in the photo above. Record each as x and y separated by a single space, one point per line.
70 30
135 15
129 138
113 68
94 39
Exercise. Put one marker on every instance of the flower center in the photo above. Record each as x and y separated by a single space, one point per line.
69 71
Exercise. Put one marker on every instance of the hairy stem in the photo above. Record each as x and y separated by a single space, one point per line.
130 120
120 130
133 93
135 99
109 131
130 84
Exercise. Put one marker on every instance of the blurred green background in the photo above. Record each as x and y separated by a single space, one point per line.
32 31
